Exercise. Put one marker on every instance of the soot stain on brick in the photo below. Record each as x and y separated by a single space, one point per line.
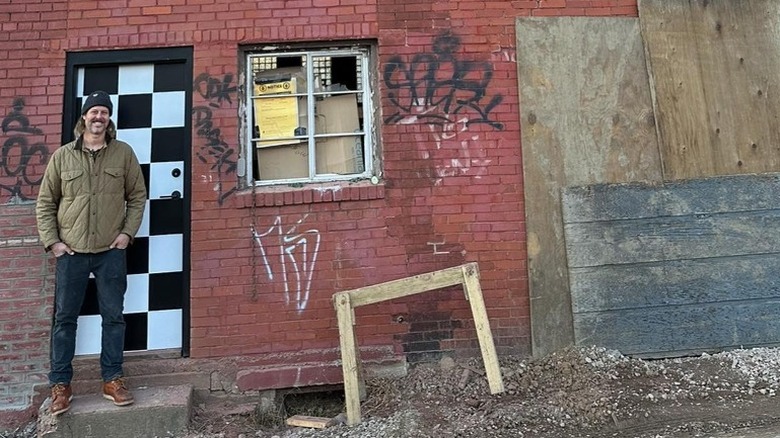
422 342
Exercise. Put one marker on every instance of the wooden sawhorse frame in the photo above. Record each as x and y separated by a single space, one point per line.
345 303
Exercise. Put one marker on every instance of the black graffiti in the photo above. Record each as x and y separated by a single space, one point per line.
215 90
437 87
214 148
17 154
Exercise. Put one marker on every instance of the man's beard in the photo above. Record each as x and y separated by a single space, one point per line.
96 130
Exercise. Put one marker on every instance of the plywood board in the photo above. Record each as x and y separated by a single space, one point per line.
675 268
622 287
602 202
714 69
695 236
679 330
586 117
667 331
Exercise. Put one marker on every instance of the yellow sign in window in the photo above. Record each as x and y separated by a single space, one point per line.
277 117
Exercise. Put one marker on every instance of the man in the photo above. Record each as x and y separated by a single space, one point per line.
89 208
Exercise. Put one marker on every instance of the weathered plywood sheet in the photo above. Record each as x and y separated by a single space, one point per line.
636 201
713 66
668 269
680 330
586 117
700 235
675 282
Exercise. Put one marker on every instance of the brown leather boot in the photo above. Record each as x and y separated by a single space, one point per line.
61 395
117 391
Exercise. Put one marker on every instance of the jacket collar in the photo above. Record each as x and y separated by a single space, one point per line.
80 141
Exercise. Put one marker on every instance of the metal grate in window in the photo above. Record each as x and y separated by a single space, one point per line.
322 67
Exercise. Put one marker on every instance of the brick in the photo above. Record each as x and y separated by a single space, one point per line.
156 10
289 377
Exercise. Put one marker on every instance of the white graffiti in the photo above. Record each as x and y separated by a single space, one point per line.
464 165
297 257
503 55
445 132
435 246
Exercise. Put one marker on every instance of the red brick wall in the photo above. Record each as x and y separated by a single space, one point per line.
451 190
25 312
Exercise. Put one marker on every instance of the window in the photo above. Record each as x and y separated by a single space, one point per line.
309 116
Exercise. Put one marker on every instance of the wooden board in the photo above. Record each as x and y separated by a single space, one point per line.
714 69
586 117
620 287
309 421
349 356
679 330
482 325
406 286
694 236
603 202
676 268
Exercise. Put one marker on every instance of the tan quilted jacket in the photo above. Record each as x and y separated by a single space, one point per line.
86 202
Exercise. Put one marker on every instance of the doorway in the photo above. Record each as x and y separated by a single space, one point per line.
151 93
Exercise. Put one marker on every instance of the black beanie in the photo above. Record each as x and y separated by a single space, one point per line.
100 98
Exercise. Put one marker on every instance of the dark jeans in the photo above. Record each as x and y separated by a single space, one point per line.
110 270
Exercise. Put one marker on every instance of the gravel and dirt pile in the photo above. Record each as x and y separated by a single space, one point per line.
578 392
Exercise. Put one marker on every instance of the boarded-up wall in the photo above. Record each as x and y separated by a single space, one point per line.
677 268
586 117
714 69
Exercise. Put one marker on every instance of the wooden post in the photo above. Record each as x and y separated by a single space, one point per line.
349 356
484 335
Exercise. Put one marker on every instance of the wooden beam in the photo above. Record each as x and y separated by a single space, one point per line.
477 303
405 286
349 356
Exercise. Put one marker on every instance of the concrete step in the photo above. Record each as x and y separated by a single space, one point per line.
159 411
199 381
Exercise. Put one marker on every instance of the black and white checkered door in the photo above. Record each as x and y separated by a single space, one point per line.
149 113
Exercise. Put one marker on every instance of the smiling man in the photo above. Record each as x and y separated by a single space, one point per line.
89 208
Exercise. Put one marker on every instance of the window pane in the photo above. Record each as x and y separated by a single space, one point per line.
262 63
337 114
340 155
283 161
342 73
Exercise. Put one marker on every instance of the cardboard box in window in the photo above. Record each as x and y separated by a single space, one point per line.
283 161
340 155
279 114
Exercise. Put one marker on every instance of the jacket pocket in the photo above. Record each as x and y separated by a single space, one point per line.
72 182
114 180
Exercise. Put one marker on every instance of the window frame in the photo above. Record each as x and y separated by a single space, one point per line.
363 51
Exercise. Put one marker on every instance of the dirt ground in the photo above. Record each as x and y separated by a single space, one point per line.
580 392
